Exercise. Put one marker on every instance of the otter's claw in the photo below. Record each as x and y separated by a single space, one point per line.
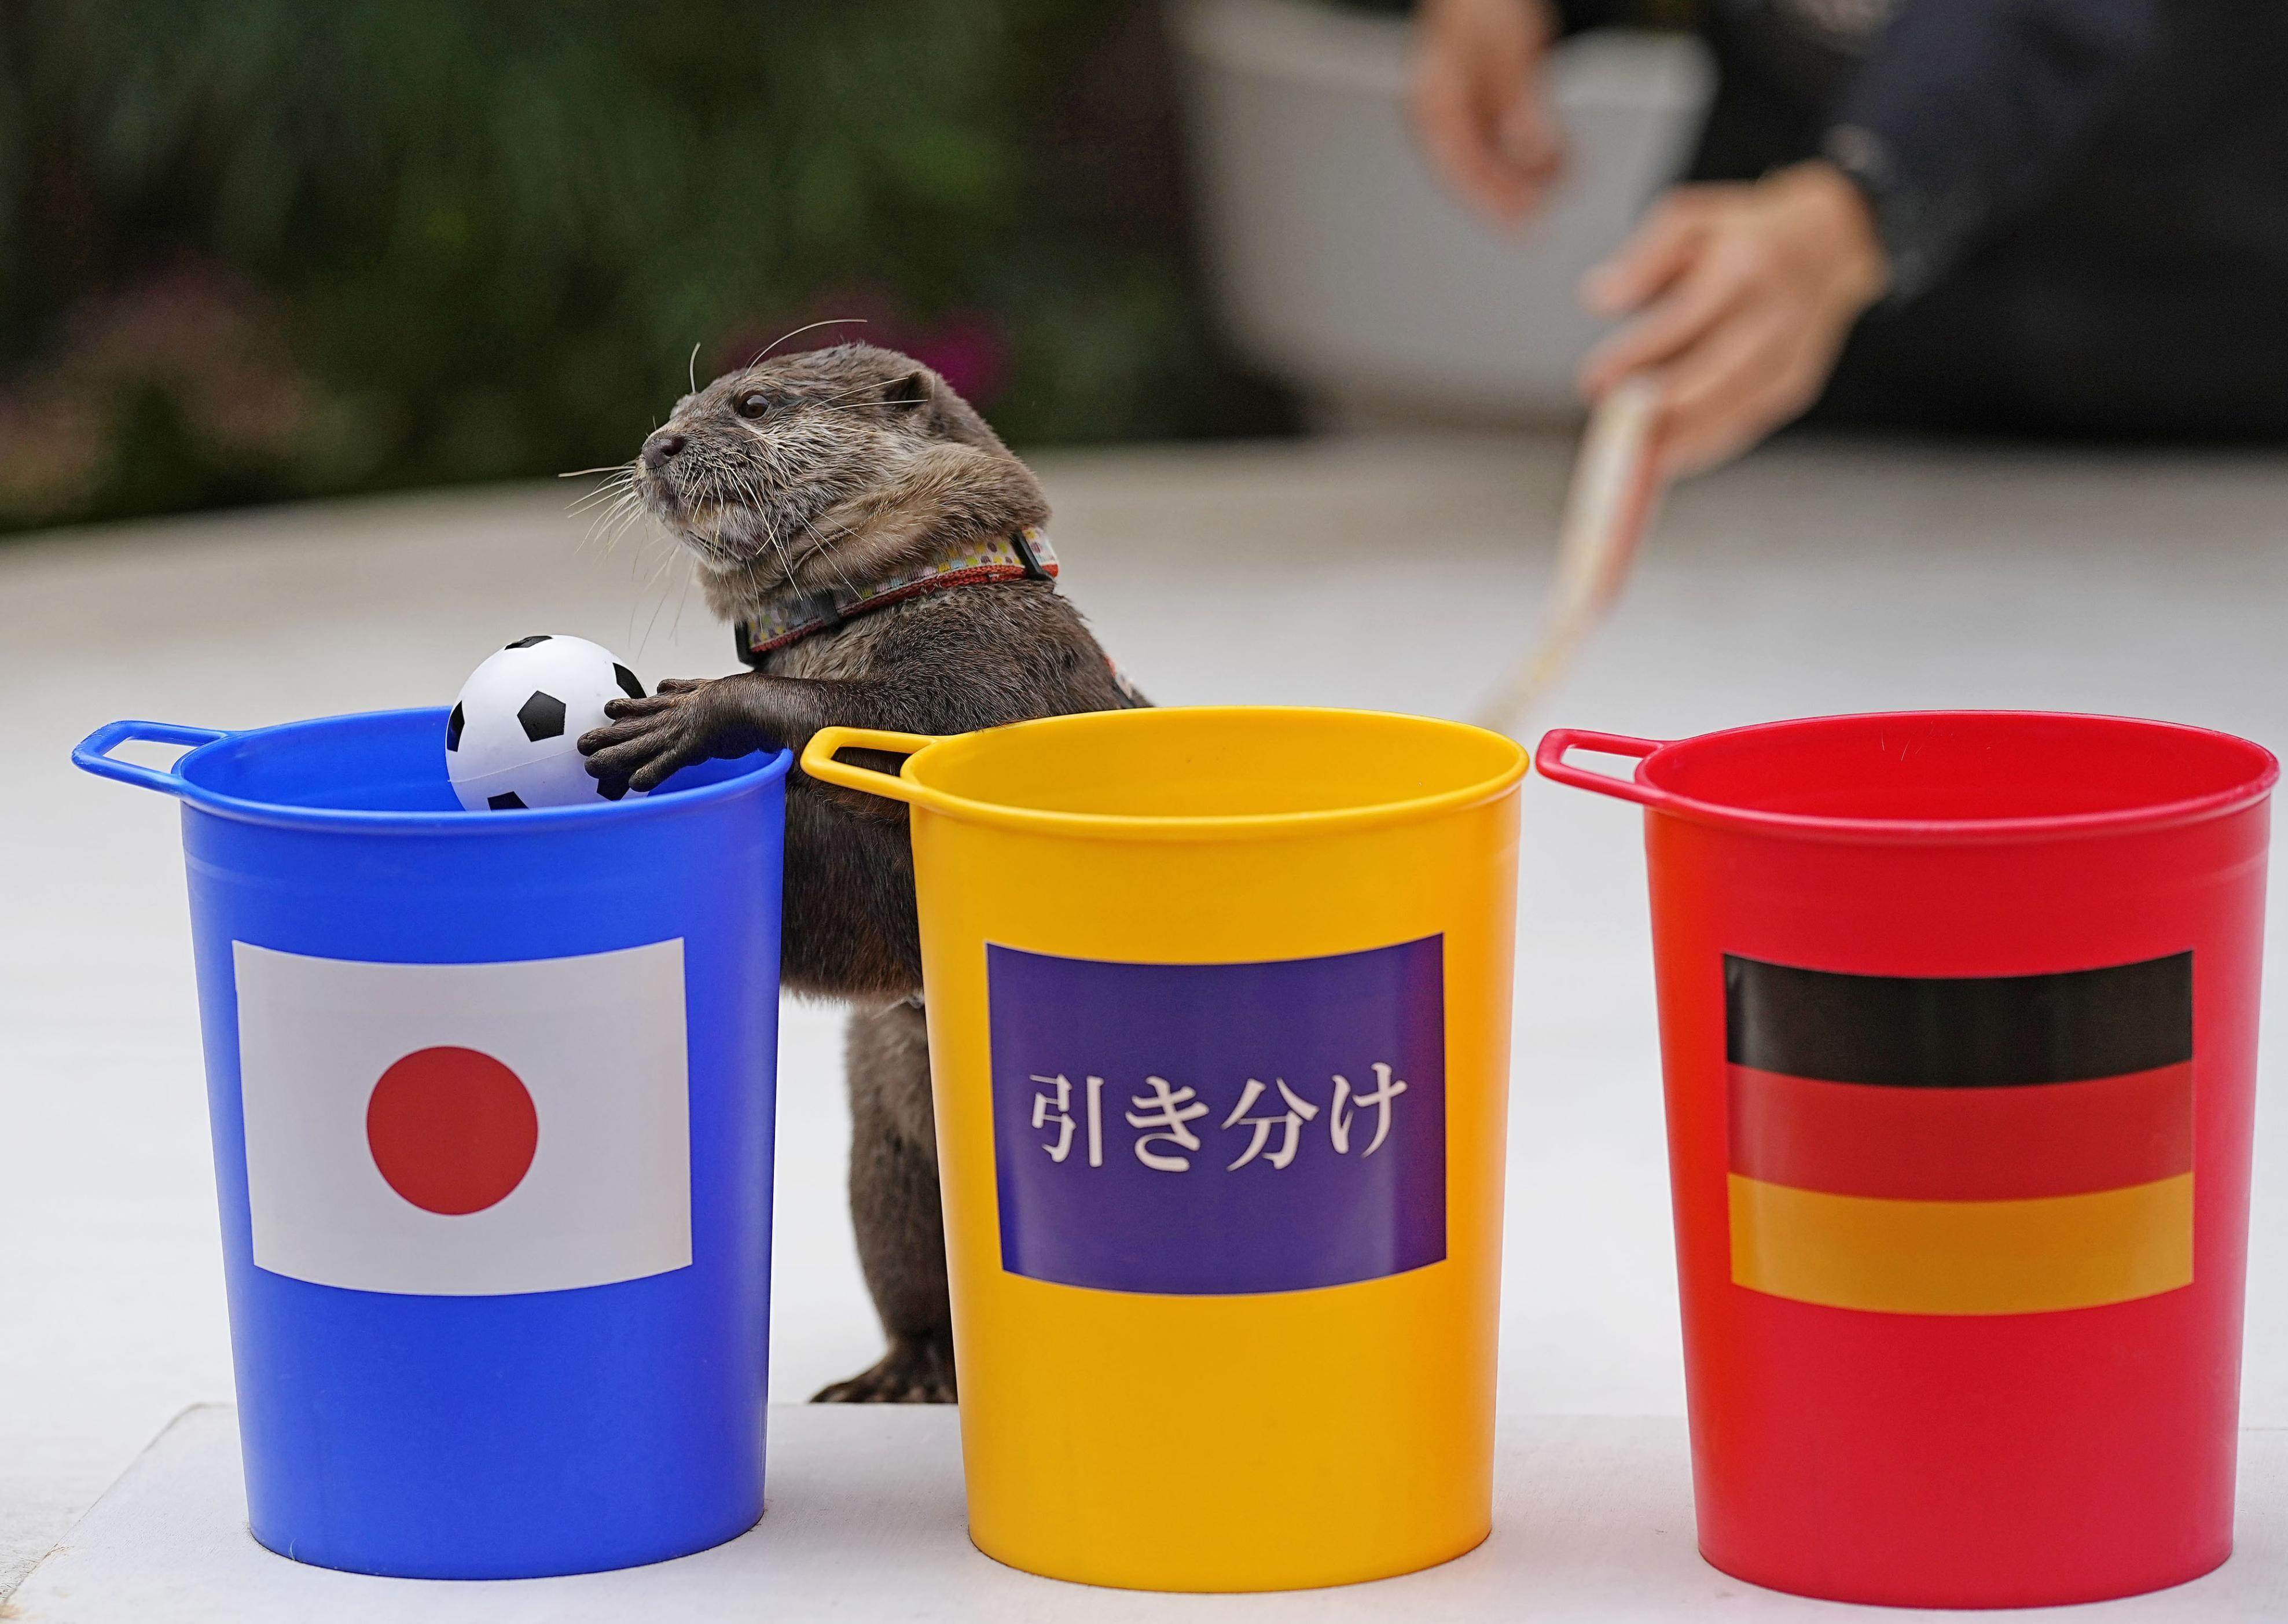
916 1370
692 719
646 742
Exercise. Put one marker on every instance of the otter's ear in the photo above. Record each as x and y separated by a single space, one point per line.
910 392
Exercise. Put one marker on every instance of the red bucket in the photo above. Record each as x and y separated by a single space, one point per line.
1958 1021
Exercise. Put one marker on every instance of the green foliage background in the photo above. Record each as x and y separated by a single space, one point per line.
261 249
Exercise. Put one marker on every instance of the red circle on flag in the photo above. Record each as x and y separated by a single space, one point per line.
453 1131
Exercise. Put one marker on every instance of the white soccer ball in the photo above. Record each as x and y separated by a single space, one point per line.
513 739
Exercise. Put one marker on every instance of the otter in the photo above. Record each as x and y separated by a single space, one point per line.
806 485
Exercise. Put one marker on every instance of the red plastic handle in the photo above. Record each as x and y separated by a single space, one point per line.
1550 762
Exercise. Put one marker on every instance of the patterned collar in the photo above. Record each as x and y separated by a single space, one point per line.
1026 556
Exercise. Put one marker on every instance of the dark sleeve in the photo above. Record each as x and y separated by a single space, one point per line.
1573 16
1968 108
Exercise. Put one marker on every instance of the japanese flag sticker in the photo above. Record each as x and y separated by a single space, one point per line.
466 1129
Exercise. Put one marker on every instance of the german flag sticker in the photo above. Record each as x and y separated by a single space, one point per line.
2002 1145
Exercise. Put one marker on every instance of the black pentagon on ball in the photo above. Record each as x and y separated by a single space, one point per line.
507 800
453 725
537 637
541 716
628 681
611 789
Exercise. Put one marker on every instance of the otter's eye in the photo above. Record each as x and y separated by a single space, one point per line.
754 403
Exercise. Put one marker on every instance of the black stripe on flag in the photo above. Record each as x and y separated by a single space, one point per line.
1958 1032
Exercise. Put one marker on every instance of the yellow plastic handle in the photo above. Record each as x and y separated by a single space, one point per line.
818 760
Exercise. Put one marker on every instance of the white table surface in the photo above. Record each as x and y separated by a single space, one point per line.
1592 1525
1399 574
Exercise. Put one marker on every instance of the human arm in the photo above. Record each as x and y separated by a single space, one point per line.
1967 111
1744 294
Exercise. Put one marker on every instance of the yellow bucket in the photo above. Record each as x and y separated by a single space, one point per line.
1219 1022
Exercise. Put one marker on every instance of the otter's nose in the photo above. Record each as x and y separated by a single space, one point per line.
661 447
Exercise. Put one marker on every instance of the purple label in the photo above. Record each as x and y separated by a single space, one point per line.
1205 1129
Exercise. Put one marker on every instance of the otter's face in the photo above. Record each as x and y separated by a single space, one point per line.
761 471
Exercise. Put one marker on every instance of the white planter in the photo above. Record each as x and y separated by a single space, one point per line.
1342 263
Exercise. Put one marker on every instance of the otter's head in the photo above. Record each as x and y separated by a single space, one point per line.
833 467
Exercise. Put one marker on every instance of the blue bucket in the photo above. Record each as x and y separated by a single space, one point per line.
492 1098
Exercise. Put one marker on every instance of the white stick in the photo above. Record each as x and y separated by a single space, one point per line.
1608 508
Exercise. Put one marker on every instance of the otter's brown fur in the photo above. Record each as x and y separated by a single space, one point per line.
839 469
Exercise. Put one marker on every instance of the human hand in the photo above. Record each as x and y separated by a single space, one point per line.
1481 103
1746 295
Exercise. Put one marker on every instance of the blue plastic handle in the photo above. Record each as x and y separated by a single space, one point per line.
93 753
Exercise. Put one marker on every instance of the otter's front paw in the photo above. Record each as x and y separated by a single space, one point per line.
916 1370
646 742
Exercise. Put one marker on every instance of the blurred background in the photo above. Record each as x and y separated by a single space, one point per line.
276 250
266 252
303 306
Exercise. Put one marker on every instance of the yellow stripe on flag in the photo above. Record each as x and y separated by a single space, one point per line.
1963 1257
